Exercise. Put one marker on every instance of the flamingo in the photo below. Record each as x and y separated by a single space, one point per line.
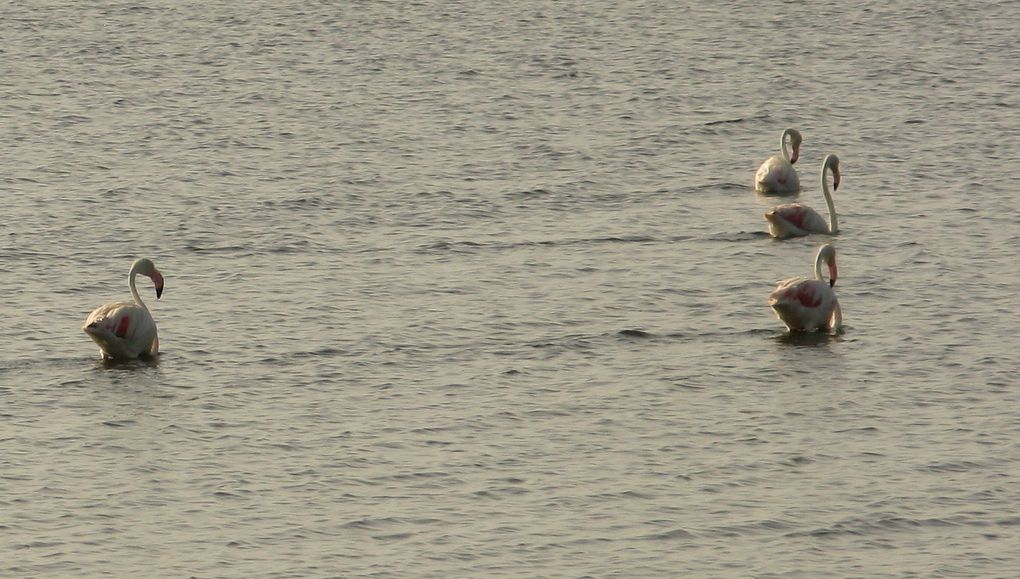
810 304
776 176
795 220
126 330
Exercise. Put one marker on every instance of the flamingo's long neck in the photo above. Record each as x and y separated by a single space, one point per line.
134 291
818 268
782 146
833 223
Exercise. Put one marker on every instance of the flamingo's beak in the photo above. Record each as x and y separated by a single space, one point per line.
795 155
835 178
832 273
157 280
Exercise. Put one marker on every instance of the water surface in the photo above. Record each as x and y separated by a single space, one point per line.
470 289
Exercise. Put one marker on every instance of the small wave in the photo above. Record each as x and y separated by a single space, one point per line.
635 334
528 194
294 247
721 334
669 535
119 423
317 202
446 245
880 523
367 524
963 466
724 186
714 126
740 236
807 339
221 249
393 537
725 122
766 526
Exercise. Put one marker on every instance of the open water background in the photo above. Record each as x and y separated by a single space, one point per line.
478 289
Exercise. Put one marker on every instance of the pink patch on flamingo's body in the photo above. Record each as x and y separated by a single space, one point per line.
122 327
808 298
795 215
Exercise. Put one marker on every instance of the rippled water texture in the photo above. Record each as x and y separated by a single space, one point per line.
479 289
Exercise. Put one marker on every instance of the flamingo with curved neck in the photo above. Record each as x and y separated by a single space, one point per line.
810 304
126 330
796 220
776 176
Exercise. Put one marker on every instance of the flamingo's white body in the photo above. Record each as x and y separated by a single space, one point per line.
776 176
126 330
795 220
810 304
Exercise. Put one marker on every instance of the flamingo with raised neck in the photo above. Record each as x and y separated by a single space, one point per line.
796 220
810 304
126 330
776 176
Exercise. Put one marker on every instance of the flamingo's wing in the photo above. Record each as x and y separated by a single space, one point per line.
800 216
803 304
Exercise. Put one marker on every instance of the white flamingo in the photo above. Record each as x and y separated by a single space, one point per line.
810 304
126 330
795 220
776 176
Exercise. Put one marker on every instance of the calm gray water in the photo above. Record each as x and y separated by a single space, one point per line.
479 289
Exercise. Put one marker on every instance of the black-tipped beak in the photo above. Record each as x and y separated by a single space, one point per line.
832 282
157 282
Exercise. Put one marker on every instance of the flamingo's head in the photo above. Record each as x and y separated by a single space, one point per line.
832 164
795 140
827 255
145 267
